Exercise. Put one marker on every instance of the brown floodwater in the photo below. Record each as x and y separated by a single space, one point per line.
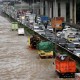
18 61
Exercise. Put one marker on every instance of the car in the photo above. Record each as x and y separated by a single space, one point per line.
66 29
70 46
76 52
31 21
49 36
62 42
35 25
66 26
77 36
41 25
37 29
49 28
74 29
58 33
27 14
38 20
41 32
18 19
71 37
76 42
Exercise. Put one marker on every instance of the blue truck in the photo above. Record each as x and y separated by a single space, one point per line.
44 19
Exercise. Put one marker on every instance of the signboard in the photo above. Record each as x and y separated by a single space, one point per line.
57 22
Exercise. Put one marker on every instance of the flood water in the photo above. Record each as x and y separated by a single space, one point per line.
18 61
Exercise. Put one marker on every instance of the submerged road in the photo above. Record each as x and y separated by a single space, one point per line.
18 61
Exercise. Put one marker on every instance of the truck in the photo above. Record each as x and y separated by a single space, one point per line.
34 40
45 49
14 26
44 19
65 66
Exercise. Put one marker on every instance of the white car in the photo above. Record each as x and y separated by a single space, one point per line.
37 29
59 33
31 21
50 28
73 29
35 25
66 29
41 32
27 14
20 31
18 19
66 26
38 19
